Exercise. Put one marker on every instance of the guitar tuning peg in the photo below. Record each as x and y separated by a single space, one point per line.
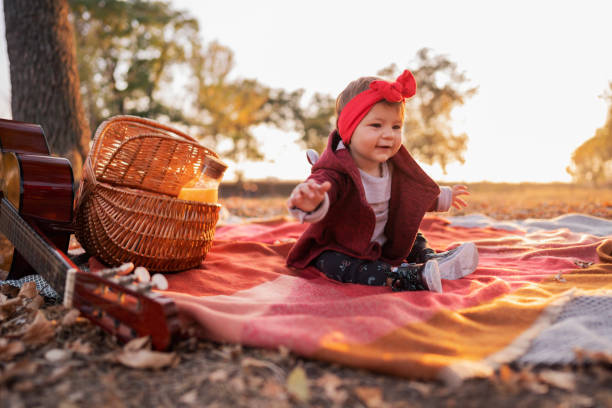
124 269
159 281
142 274
125 279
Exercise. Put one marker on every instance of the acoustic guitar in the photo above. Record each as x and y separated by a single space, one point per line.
36 212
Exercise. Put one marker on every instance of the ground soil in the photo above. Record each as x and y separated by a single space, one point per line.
70 362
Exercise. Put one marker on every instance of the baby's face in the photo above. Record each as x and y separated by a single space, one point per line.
377 137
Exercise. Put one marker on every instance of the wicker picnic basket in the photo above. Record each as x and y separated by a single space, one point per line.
127 207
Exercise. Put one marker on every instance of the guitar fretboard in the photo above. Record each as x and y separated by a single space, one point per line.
38 253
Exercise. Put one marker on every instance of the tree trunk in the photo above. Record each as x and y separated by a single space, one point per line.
44 77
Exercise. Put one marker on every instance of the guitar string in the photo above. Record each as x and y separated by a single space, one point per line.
47 259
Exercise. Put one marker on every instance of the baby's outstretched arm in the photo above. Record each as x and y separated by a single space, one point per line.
308 195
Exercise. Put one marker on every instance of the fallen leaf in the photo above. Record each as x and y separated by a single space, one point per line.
24 386
71 317
272 388
39 331
536 387
252 362
9 349
9 308
237 384
3 298
582 264
530 381
56 355
9 290
284 351
370 396
79 347
235 350
219 375
28 290
58 373
593 356
189 398
22 368
421 388
254 382
604 397
137 344
297 384
77 396
507 375
146 359
35 303
560 379
330 384
581 400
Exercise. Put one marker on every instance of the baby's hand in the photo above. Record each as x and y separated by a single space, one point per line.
459 190
308 195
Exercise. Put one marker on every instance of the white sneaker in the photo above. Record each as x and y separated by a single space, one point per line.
458 262
431 276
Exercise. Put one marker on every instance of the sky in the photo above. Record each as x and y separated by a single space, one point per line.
540 67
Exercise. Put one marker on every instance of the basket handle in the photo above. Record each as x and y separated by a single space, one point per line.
154 162
120 120
87 183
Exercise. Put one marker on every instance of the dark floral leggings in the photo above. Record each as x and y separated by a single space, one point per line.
345 268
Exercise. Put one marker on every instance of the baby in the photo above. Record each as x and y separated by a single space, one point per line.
366 197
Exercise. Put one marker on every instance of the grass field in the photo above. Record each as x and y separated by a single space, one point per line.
498 200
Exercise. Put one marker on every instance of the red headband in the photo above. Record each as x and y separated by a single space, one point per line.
354 111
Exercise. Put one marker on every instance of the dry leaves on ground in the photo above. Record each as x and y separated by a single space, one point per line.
137 353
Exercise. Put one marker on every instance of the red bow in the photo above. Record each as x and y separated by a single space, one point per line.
403 87
356 109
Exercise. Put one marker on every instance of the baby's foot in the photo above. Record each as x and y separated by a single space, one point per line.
458 262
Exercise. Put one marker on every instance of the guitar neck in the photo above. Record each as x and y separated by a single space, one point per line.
47 260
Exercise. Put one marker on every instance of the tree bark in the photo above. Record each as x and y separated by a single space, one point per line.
44 77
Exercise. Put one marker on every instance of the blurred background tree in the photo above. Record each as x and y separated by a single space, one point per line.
132 56
228 109
316 121
44 78
592 161
128 55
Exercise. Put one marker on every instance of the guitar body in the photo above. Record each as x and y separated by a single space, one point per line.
40 186
21 137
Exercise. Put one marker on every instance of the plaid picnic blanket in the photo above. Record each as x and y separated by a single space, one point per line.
535 287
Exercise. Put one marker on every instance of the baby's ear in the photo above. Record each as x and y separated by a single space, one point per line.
312 156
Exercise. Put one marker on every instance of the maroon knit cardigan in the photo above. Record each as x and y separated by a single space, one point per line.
349 223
